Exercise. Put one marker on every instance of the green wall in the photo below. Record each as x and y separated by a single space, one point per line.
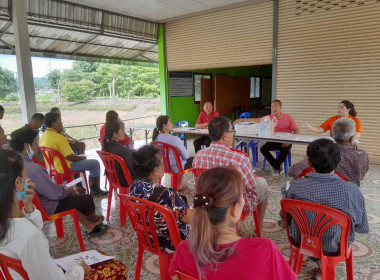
183 108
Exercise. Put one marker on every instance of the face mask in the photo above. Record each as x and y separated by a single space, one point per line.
21 195
30 152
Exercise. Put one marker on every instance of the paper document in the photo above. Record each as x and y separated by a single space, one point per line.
90 257
74 182
282 135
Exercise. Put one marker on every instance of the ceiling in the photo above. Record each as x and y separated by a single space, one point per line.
162 11
119 31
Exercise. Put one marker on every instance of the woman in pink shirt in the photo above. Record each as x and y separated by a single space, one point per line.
213 249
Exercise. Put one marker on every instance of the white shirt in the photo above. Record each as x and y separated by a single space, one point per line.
26 242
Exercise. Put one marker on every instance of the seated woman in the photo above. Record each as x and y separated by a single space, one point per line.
113 116
114 135
21 237
55 198
345 110
149 169
214 250
161 133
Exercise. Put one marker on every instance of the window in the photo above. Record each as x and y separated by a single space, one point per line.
197 86
255 87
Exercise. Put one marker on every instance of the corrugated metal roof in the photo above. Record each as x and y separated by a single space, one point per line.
66 30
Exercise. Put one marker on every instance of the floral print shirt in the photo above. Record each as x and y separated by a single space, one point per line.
168 197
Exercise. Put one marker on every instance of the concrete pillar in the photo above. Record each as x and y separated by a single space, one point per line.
24 60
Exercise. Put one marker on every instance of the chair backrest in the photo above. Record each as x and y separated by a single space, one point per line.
245 115
37 203
309 169
341 176
36 161
109 160
141 213
184 276
16 265
238 151
50 155
166 150
312 230
182 123
198 171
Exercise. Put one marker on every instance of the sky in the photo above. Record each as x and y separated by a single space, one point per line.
41 65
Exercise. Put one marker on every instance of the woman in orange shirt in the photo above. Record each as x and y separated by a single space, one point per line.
345 110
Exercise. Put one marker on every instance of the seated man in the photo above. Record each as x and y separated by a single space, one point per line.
323 187
285 123
55 198
204 118
75 145
53 139
37 121
354 162
219 154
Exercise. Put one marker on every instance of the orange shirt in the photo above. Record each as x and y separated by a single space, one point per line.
328 124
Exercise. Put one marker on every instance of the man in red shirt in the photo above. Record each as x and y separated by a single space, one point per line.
285 123
204 118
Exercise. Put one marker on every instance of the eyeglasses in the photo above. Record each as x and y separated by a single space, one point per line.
232 131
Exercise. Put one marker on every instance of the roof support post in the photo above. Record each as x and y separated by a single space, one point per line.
274 55
163 71
24 60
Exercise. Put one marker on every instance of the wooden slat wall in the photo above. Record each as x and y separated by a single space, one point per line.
328 52
236 37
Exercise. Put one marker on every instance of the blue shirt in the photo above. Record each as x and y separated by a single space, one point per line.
330 190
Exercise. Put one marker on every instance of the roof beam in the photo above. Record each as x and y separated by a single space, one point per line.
143 51
81 42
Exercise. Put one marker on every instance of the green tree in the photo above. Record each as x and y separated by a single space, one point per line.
85 66
79 91
54 77
104 78
8 83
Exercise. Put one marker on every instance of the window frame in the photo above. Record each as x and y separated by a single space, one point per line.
199 74
260 87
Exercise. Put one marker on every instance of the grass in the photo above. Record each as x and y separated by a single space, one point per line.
15 107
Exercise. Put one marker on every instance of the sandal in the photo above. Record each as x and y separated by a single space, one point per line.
97 231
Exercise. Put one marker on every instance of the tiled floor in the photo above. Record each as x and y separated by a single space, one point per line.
122 242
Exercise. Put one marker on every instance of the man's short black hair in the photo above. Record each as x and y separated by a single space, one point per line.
54 110
21 136
324 155
217 127
51 118
38 116
1 108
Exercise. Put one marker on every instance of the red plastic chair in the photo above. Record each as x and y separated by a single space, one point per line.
109 160
199 171
35 160
184 276
166 149
57 218
311 236
141 210
16 265
309 169
68 175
